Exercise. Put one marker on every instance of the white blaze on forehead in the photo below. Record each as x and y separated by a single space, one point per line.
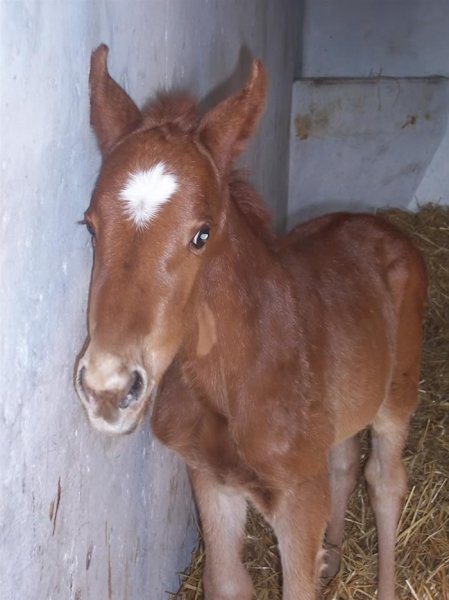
146 191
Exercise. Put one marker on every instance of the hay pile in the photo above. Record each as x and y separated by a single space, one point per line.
423 532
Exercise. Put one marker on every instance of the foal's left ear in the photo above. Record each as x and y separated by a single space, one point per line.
112 112
226 128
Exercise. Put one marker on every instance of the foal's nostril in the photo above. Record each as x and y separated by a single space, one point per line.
79 380
134 392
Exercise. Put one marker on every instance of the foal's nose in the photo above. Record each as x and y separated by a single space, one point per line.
122 398
107 386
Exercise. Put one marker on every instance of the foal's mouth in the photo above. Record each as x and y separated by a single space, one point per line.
122 421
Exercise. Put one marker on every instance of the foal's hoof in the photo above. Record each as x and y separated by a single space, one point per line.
330 565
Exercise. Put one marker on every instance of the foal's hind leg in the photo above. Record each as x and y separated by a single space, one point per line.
387 485
344 461
385 473
223 517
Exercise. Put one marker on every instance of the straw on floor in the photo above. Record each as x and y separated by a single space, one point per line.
423 531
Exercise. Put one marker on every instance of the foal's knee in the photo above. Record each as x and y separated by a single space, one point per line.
386 482
235 585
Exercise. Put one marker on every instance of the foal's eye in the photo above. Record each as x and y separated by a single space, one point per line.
200 238
90 228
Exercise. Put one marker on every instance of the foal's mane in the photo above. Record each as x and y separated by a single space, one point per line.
180 110
251 205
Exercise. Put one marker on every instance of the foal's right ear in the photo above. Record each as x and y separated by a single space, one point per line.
226 128
112 112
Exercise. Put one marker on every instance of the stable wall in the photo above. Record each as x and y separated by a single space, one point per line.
372 39
85 516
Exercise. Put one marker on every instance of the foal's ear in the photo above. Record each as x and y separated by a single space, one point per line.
112 112
226 128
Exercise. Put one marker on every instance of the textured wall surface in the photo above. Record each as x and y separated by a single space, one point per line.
361 144
368 38
364 38
84 516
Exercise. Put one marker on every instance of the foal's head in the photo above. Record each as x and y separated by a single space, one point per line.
157 213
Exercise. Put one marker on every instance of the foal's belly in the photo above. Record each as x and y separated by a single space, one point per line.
357 400
348 427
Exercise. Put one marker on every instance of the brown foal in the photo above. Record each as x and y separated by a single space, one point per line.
261 358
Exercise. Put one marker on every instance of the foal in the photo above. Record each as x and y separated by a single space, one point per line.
260 358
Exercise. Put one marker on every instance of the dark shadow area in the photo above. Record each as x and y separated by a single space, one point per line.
299 48
233 83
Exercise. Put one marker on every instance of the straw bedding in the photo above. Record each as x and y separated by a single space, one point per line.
423 531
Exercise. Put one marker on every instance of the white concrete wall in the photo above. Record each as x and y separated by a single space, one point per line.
365 38
368 38
363 144
84 516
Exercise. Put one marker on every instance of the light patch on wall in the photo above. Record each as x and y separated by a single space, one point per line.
146 191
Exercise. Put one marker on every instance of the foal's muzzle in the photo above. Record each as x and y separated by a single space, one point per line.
123 398
113 395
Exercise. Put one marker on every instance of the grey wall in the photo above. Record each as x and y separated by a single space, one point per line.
371 38
85 516
363 144
364 38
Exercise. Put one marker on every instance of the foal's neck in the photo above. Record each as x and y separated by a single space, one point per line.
246 309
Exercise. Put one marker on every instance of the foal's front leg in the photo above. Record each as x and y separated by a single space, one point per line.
223 516
299 522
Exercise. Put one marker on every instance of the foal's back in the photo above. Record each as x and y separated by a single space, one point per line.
361 291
